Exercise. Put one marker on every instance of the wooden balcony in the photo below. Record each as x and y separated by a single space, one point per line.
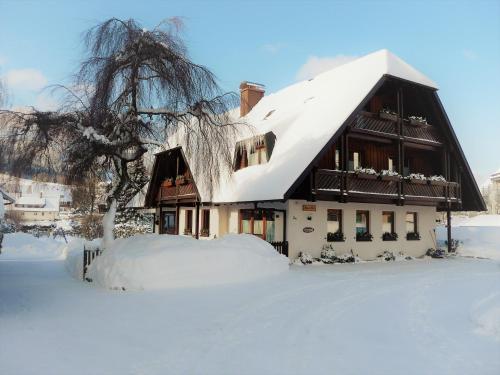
177 192
349 184
372 124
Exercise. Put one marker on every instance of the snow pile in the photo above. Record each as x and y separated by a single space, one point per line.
158 262
73 254
27 247
486 316
479 236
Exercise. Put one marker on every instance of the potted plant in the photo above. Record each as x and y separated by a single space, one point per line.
388 114
437 180
168 182
417 121
412 236
387 175
363 236
389 236
180 180
338 236
416 178
366 173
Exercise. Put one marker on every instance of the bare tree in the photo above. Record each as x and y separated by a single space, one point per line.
133 90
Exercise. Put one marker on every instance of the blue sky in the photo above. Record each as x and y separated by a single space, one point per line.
457 44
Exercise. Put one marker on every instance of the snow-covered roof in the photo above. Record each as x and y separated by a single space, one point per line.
304 117
35 203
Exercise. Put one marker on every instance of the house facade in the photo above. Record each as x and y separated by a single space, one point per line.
491 193
360 157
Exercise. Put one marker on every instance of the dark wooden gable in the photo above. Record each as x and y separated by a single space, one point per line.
169 164
418 97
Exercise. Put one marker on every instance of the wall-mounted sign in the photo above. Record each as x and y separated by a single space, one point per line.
308 230
309 207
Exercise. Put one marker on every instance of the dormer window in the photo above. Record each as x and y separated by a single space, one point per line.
254 151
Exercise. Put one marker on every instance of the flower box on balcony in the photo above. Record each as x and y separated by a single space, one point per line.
180 180
417 121
416 178
391 116
387 236
365 236
437 181
412 236
204 232
390 178
188 232
335 237
167 182
366 173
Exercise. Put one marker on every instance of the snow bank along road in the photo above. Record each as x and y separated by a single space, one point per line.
416 317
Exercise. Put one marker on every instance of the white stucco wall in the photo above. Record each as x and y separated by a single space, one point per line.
297 219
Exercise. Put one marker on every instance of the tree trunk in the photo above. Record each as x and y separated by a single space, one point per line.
108 224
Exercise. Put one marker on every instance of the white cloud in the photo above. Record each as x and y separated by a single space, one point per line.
25 79
316 65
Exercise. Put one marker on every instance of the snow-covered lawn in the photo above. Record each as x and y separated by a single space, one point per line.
414 317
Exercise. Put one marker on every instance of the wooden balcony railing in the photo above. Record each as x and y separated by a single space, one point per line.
351 184
178 191
373 124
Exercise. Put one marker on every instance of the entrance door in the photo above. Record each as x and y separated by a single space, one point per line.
168 222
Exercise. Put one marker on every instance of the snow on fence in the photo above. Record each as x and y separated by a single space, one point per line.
281 247
88 256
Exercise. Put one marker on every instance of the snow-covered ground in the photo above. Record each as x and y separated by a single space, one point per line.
415 317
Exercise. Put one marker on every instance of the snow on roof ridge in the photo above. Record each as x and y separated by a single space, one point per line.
393 65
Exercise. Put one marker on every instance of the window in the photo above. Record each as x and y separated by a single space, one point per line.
362 222
388 222
411 222
259 222
205 223
254 151
189 222
355 160
334 221
337 159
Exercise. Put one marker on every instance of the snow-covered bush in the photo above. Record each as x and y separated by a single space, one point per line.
328 254
454 245
347 258
435 253
387 256
305 257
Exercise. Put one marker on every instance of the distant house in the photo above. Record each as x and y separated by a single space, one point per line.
360 157
491 193
37 200
37 208
7 199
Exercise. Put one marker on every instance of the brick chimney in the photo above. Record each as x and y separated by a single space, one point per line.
250 94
